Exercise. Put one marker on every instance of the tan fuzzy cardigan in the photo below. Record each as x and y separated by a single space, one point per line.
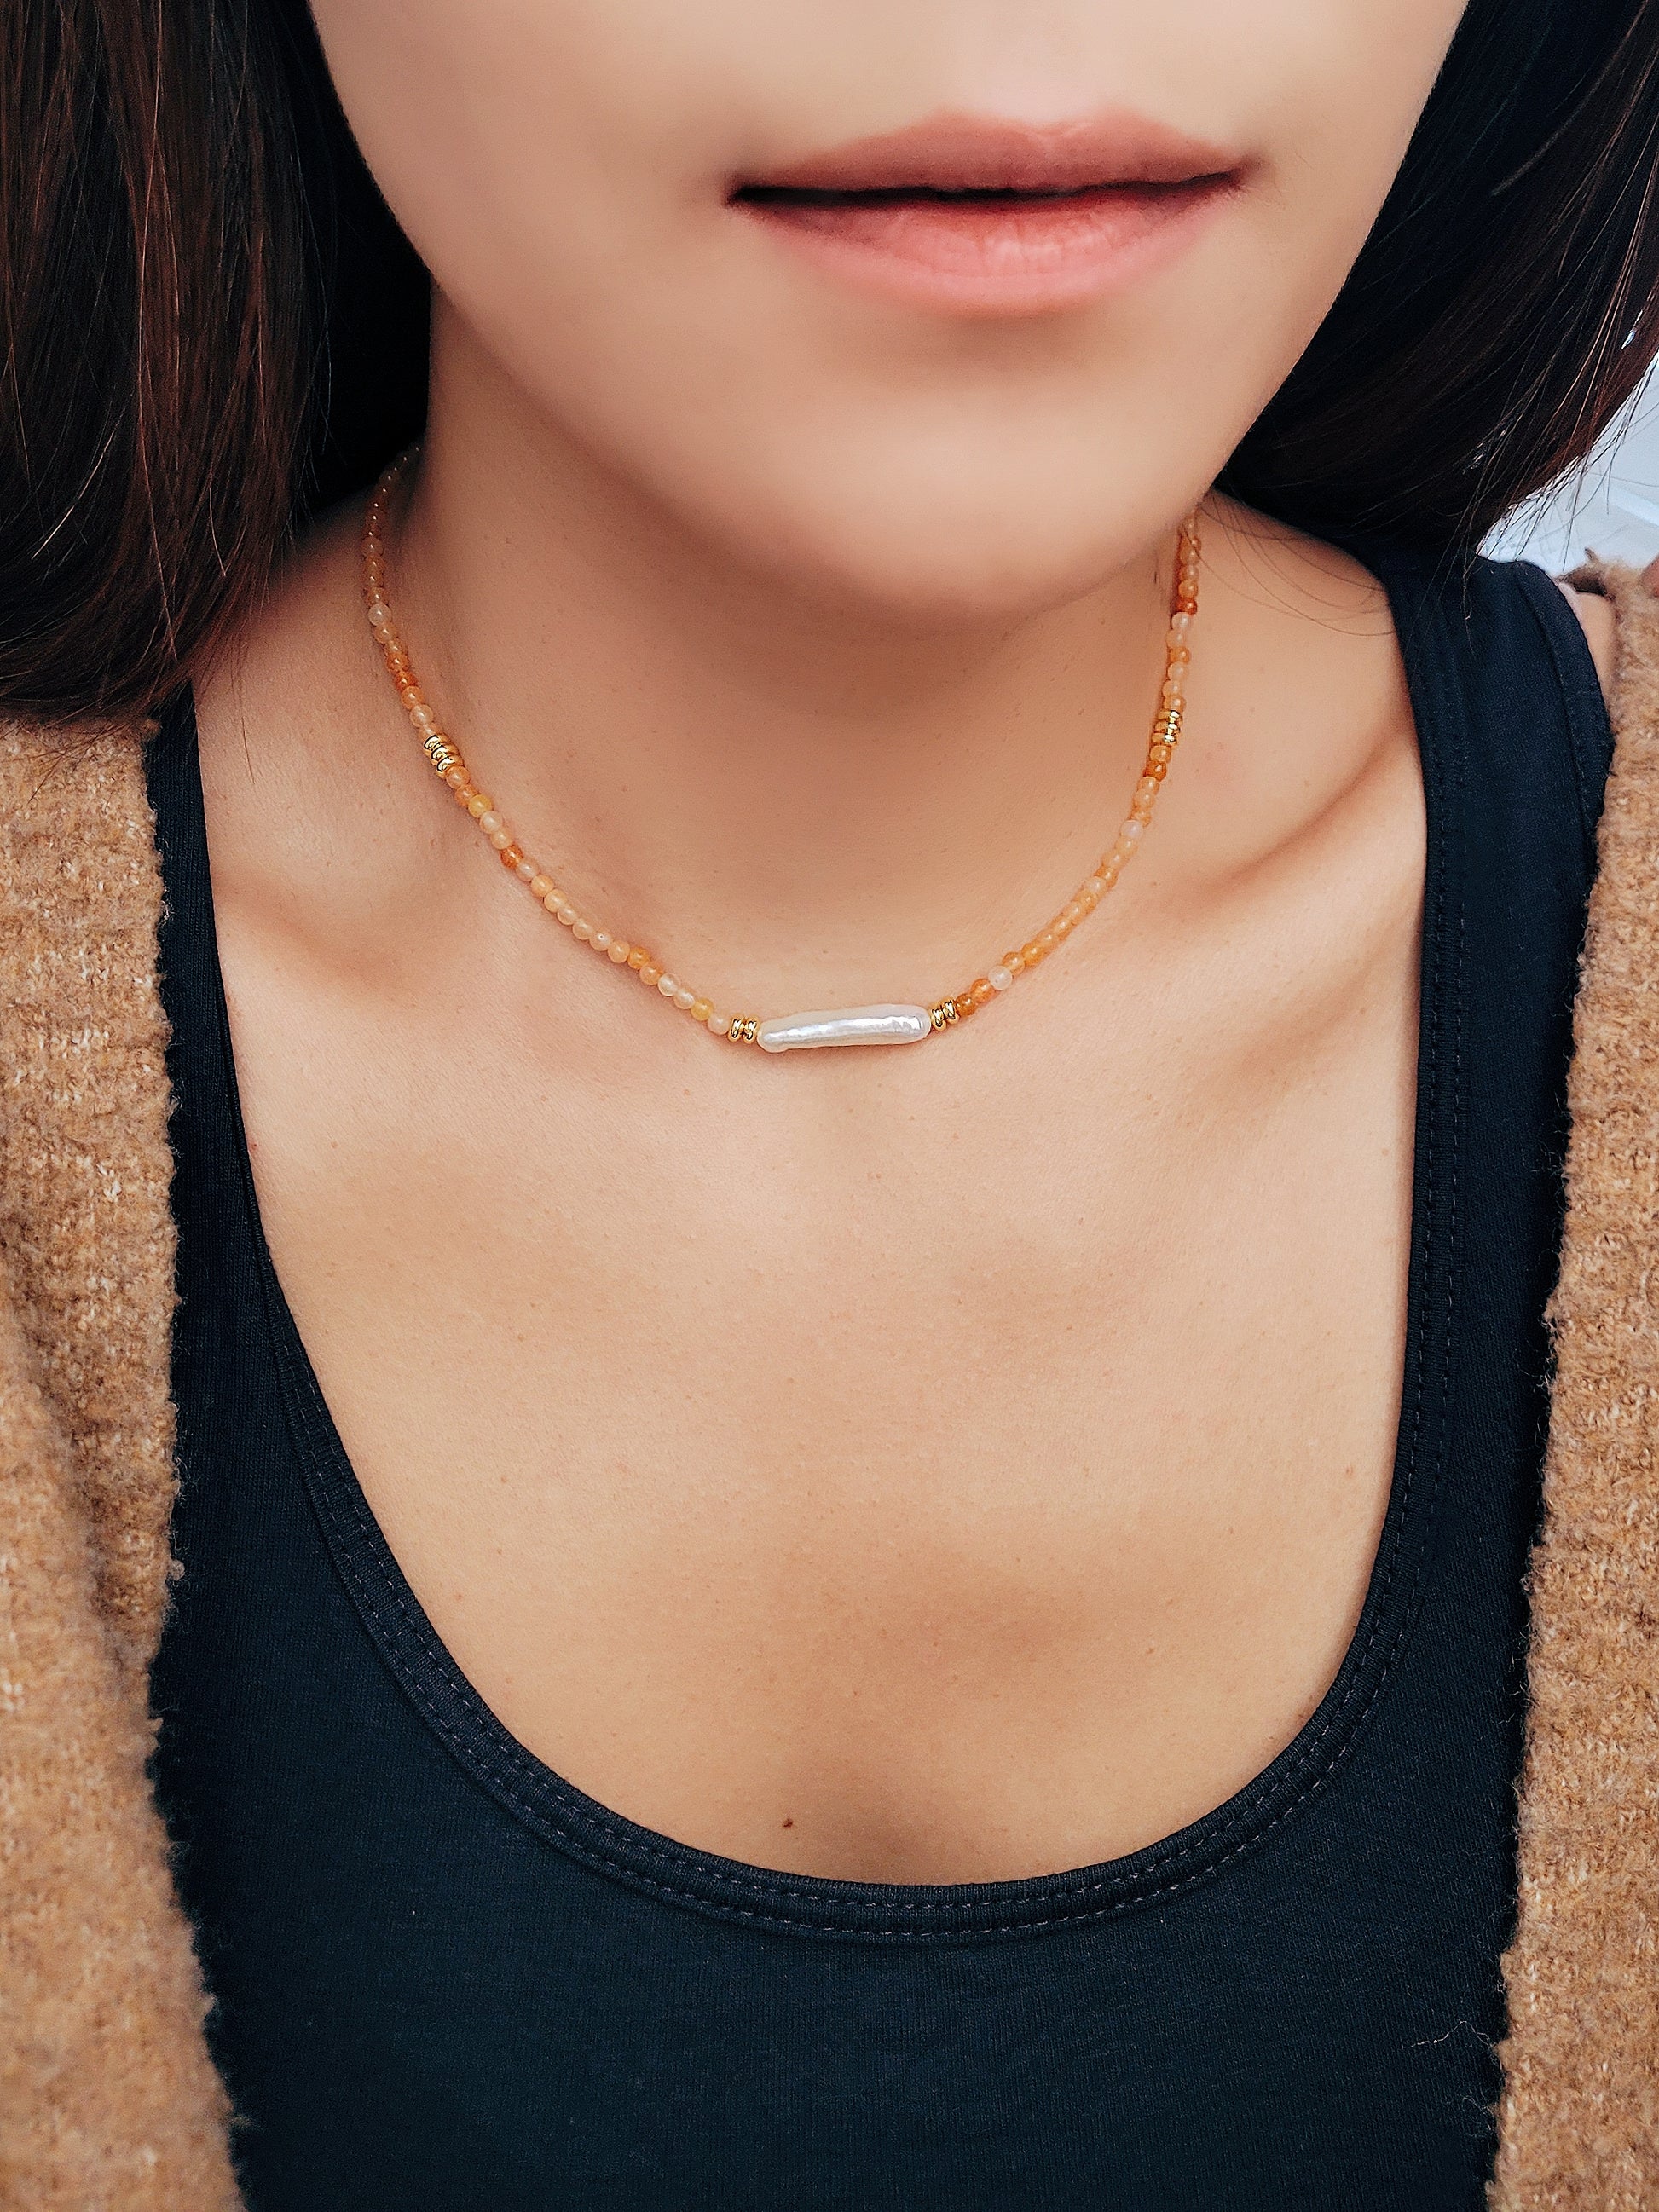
107 2098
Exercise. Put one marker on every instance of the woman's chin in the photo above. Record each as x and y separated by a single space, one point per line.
920 576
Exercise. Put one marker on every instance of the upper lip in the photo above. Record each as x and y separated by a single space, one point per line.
956 153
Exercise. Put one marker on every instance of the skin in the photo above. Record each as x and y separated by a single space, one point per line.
932 1466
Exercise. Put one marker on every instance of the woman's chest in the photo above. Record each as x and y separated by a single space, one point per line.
868 1552
950 1479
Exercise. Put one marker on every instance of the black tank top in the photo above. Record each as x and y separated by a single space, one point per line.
446 1981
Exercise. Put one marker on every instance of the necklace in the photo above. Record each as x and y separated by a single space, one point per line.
882 1024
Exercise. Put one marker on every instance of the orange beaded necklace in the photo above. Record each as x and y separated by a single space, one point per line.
881 1025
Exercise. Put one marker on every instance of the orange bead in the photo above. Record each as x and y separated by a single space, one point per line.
637 955
511 856
1032 953
1046 940
1013 962
701 1009
983 992
963 1003
649 972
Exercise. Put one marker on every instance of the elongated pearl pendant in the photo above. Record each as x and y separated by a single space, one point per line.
852 1025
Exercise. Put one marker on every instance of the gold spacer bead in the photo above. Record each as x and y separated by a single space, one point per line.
743 1028
945 1014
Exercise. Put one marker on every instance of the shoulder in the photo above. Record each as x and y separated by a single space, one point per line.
71 777
1603 599
1600 629
77 848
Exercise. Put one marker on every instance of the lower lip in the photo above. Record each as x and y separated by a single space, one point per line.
995 256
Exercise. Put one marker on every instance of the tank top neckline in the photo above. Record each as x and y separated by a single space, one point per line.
1424 616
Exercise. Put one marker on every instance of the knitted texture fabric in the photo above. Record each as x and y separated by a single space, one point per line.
108 2101
1580 2112
107 2098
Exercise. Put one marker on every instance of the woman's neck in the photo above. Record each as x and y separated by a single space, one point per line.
794 791
795 800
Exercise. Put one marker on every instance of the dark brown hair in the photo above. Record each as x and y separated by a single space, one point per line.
209 324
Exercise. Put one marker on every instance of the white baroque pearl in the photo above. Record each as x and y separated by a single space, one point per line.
850 1025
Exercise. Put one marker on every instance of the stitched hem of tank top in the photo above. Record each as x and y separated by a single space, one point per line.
684 1874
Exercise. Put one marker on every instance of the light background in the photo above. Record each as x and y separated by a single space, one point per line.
1611 506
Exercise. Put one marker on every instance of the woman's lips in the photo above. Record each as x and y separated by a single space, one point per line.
1005 255
988 218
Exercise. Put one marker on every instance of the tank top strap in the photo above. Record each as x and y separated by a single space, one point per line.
1510 712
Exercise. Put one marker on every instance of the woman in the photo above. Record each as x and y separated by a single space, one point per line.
763 1627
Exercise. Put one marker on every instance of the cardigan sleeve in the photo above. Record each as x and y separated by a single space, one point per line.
1580 2108
108 2102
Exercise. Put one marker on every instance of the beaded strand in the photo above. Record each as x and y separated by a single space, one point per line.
539 881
